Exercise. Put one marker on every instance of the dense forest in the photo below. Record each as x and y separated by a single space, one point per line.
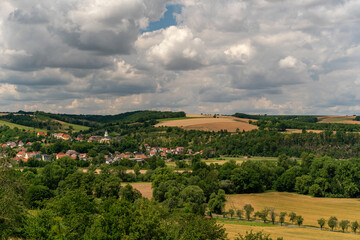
60 202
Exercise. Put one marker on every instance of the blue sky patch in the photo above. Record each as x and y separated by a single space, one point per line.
167 20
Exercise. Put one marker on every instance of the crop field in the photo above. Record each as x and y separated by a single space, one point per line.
239 160
338 119
143 187
300 131
310 208
14 125
233 227
230 124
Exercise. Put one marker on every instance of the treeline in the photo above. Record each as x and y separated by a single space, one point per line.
128 117
31 121
298 118
8 134
282 125
253 143
70 204
319 177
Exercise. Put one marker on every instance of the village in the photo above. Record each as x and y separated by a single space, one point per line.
24 155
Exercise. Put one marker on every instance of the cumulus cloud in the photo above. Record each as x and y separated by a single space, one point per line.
178 49
275 56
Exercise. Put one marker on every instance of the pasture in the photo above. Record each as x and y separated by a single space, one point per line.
14 125
75 127
310 208
231 124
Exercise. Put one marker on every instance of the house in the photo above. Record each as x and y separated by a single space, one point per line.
82 156
40 134
36 155
71 152
21 154
95 138
60 155
45 157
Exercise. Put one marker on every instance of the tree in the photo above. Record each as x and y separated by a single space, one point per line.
299 220
292 217
248 210
193 198
255 236
321 222
273 215
354 226
137 169
231 212
239 213
282 217
217 202
263 214
35 194
344 224
12 211
332 222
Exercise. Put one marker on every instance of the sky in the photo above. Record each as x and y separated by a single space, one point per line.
197 56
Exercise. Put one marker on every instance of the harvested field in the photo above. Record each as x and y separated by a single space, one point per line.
338 119
144 188
288 233
300 131
310 208
230 124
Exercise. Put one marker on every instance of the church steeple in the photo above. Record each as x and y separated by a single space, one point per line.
106 134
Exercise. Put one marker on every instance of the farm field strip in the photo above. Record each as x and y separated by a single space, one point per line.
233 228
310 208
230 124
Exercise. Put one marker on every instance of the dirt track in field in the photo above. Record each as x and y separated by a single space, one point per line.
231 124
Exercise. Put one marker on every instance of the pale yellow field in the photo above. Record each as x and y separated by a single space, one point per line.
338 119
310 208
144 188
300 131
228 123
289 233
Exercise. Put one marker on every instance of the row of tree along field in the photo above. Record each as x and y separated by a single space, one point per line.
270 215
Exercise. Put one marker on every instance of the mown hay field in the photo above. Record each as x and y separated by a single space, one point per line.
338 119
144 188
310 208
231 124
233 228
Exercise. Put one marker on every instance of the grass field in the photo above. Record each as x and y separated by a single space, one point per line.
13 125
310 208
233 227
231 124
75 127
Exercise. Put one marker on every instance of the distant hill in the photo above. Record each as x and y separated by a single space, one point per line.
80 122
